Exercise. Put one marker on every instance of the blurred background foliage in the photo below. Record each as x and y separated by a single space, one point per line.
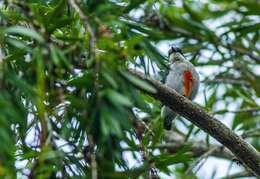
70 109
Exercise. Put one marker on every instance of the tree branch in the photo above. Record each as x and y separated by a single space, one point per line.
198 148
200 159
175 142
245 153
239 175
226 81
85 20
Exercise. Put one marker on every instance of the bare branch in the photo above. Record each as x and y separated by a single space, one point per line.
93 162
202 157
251 133
198 148
239 175
226 81
243 110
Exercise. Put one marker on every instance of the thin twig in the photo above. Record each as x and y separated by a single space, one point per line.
204 156
92 45
2 56
226 81
175 141
251 133
94 174
239 175
246 110
243 110
85 19
246 52
92 55
153 174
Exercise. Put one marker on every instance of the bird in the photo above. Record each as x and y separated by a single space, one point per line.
183 78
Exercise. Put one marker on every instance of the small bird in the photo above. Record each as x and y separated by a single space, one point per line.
183 78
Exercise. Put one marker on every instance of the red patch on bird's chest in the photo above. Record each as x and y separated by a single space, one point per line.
187 82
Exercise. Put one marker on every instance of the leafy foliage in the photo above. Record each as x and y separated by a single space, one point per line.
65 109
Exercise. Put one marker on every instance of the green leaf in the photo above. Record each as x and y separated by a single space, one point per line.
18 44
110 79
54 55
20 30
117 98
164 160
138 82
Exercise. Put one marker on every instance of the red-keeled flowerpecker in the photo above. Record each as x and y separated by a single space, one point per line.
182 77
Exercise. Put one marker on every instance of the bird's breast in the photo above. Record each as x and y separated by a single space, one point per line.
187 82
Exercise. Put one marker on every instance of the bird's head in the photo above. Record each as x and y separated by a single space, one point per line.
175 54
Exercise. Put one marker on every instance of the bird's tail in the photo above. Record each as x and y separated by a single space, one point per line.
168 116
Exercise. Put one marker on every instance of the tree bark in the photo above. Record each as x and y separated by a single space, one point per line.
244 152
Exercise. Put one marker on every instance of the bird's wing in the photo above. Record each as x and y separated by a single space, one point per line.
174 78
196 83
